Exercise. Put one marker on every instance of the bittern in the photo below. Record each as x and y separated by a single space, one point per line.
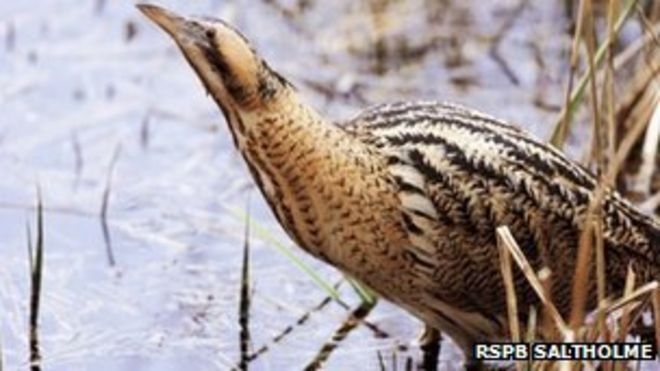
406 197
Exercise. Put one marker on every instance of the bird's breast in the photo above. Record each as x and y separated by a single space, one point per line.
332 196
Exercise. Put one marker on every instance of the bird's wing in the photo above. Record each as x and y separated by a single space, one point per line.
462 174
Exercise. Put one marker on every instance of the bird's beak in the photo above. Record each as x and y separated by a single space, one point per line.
228 67
180 28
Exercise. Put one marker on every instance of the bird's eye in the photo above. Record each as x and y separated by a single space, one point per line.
210 33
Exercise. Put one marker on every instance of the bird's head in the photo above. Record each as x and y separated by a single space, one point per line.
232 72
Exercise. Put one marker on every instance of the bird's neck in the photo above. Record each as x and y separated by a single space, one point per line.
285 132
295 157
285 145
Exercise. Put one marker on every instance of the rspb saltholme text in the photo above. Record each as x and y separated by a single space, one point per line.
565 351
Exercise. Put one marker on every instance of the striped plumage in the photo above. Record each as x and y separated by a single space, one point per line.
461 173
406 196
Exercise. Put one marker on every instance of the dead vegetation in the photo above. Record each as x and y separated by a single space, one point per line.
624 154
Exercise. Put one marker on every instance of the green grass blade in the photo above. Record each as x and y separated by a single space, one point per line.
366 295
265 235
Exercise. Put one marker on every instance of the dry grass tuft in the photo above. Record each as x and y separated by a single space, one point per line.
626 133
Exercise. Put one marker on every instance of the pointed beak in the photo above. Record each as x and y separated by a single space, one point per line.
168 21
178 27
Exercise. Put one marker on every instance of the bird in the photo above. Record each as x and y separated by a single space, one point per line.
406 197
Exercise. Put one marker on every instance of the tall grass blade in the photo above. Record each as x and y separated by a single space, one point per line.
244 299
105 201
430 348
561 128
532 323
590 44
637 295
381 361
510 292
265 235
36 274
562 125
601 277
365 294
510 243
582 271
608 96
656 314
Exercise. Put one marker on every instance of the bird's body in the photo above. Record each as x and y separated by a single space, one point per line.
460 174
406 197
